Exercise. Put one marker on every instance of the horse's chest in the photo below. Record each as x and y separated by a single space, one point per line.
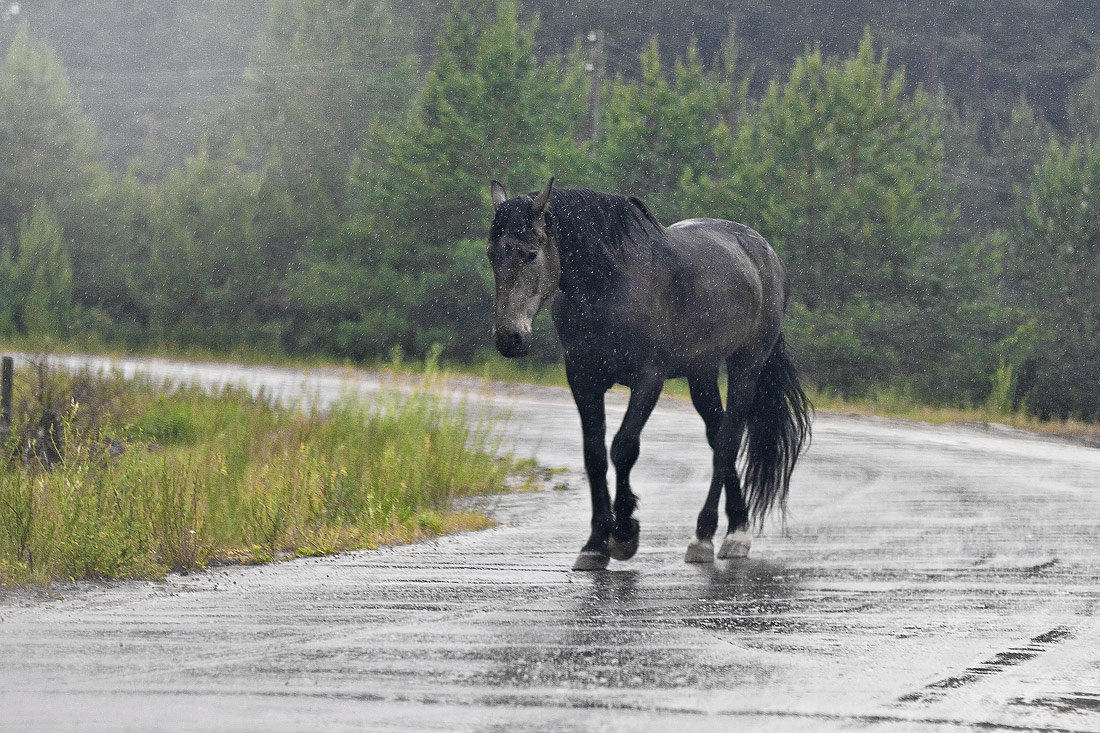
593 332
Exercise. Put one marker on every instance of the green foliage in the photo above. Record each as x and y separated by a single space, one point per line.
50 156
483 112
989 177
153 75
1055 268
164 424
38 289
655 130
840 169
340 205
323 75
406 268
206 272
49 150
1002 397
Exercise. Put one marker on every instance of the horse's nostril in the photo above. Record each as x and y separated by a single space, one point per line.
511 343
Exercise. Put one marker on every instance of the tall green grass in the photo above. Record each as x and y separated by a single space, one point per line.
157 477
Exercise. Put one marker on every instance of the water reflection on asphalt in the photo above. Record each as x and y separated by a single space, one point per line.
928 579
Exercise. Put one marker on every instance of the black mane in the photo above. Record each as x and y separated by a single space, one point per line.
591 229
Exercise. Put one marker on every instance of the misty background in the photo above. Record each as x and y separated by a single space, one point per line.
311 176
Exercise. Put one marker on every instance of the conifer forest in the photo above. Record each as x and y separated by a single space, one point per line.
311 177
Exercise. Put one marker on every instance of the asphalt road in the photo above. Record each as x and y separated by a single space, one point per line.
929 578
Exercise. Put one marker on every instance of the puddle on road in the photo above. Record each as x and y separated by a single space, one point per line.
625 629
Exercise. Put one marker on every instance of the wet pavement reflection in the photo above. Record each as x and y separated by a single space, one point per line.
928 579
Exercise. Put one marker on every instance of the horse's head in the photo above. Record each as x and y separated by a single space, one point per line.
526 266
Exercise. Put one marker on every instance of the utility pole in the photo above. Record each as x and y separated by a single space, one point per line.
6 371
595 71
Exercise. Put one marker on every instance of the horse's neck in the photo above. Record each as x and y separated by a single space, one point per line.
584 273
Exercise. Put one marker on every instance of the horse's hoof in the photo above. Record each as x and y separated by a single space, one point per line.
589 560
699 551
736 544
624 549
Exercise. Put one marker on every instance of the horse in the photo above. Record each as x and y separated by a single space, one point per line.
637 303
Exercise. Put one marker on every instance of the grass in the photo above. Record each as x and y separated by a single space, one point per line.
900 405
160 477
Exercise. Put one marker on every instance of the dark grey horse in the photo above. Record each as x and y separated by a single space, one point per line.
636 303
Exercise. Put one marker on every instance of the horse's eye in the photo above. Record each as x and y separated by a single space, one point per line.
532 255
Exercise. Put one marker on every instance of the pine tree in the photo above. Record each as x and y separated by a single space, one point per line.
841 170
38 288
1055 269
325 73
50 155
419 192
206 275
655 130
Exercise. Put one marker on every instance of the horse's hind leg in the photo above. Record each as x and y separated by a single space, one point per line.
625 447
726 444
708 402
738 541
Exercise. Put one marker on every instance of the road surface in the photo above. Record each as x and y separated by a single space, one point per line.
929 579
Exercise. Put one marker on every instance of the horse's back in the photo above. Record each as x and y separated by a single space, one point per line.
734 251
730 235
713 287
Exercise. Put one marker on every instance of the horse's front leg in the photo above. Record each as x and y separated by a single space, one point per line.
590 405
624 453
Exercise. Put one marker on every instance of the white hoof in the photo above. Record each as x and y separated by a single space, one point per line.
699 551
736 544
591 561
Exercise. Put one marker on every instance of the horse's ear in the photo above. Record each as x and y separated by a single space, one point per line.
498 193
538 207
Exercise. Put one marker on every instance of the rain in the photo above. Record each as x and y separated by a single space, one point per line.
287 205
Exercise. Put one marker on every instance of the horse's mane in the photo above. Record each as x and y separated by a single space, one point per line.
593 228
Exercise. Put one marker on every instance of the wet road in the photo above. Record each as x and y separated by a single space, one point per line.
930 578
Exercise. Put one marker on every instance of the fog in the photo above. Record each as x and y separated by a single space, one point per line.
312 177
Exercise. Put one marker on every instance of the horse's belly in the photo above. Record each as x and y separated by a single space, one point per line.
682 336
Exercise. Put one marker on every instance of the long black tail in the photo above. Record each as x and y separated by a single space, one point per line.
778 430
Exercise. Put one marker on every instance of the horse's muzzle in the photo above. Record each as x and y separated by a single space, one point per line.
513 344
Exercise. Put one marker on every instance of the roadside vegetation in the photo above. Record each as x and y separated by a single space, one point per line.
104 477
1000 407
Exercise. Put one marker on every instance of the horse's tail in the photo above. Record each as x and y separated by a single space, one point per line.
778 430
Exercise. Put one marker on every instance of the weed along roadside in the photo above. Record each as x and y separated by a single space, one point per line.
109 477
